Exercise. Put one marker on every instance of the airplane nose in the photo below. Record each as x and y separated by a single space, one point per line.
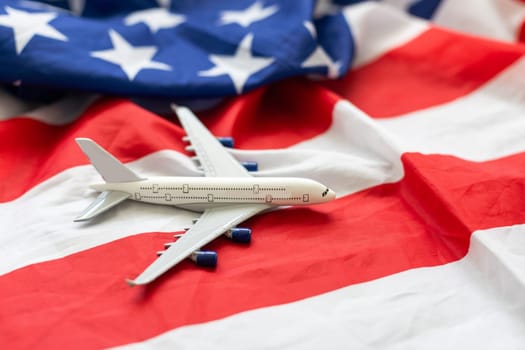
328 195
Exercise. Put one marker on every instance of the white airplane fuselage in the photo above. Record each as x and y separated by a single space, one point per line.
227 195
202 192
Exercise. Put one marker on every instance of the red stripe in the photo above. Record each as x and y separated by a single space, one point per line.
31 151
277 116
521 32
436 67
426 219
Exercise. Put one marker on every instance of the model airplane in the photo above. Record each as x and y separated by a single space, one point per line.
227 195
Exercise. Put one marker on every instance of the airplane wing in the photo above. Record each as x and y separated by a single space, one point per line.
213 223
215 160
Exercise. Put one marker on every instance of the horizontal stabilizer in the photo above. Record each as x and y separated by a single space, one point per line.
105 201
109 167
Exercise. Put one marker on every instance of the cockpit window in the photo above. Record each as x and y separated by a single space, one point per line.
325 192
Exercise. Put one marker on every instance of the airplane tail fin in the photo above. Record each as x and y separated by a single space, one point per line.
109 167
111 170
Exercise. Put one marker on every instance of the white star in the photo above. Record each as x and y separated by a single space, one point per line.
245 17
325 8
77 6
130 59
164 3
310 28
401 4
155 19
319 57
240 66
26 25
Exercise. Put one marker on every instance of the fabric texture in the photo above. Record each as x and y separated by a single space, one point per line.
413 112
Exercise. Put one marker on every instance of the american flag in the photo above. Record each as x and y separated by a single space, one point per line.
413 112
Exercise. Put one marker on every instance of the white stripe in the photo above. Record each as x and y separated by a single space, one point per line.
496 19
350 156
377 29
486 124
353 154
12 106
61 112
475 303
46 229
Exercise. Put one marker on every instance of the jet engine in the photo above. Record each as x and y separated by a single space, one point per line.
240 234
226 141
204 258
250 166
